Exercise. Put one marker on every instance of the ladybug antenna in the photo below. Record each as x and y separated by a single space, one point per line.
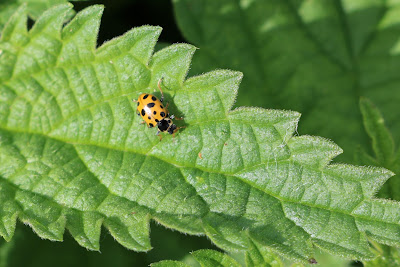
159 87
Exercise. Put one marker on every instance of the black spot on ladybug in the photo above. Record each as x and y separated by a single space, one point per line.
138 103
162 114
155 112
151 125
156 119
149 117
150 105
143 112
146 96
162 106
154 98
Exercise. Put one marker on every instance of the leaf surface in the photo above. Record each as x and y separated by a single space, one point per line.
74 156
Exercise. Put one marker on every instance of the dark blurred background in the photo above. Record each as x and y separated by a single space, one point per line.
122 15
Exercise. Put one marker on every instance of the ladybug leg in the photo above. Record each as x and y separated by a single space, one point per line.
159 135
159 87
172 117
177 129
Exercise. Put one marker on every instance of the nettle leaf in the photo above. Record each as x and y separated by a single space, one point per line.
34 8
258 255
204 257
74 156
383 147
169 263
388 257
316 57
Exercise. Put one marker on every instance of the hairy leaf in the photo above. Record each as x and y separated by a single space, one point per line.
257 255
205 257
169 263
74 156
316 57
208 257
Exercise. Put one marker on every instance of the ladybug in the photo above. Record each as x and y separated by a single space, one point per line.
154 113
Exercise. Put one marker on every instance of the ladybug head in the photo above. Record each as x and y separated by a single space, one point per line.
172 129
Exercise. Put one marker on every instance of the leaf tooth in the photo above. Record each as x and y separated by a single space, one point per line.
53 231
138 42
15 30
51 21
85 227
285 122
370 178
313 150
42 214
8 217
127 222
222 85
172 63
80 36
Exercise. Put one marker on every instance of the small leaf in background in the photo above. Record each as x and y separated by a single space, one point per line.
257 255
315 57
73 155
384 155
208 257
387 257
383 147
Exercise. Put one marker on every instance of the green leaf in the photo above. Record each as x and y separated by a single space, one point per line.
382 141
74 156
208 257
387 257
383 147
257 255
169 263
315 57
34 7
205 257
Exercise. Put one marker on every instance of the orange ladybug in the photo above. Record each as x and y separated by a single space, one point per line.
154 113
